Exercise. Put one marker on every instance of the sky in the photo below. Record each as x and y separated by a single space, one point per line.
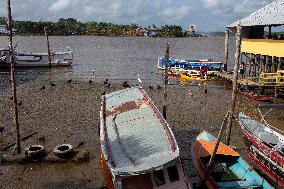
205 15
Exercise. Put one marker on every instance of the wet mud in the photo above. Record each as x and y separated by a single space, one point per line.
68 112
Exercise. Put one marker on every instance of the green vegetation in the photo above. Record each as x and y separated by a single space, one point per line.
71 26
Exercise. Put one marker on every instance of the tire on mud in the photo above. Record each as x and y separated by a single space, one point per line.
64 151
35 152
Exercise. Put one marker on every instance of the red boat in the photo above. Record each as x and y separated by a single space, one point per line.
264 143
255 96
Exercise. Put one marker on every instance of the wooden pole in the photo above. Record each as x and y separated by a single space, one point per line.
47 42
167 57
226 50
13 79
212 158
235 78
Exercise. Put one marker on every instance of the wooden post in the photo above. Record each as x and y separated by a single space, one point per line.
47 42
235 79
250 62
226 50
165 103
13 79
212 158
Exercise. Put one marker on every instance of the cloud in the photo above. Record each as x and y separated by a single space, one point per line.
232 7
60 5
206 14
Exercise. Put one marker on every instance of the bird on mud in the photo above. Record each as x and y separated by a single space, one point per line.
42 88
159 87
52 84
125 84
104 93
151 87
106 82
90 81
20 103
2 129
69 81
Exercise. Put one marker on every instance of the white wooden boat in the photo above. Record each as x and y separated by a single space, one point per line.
138 148
36 59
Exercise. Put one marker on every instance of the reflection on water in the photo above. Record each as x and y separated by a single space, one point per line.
118 58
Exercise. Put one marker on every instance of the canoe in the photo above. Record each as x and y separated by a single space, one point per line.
229 169
138 148
265 146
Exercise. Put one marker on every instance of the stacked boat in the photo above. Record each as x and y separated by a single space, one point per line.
265 143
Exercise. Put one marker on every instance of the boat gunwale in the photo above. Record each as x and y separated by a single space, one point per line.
170 137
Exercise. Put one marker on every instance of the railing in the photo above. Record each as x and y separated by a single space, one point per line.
272 79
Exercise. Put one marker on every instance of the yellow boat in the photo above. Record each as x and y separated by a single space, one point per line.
192 77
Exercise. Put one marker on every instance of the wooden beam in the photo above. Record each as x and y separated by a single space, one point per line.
13 79
235 79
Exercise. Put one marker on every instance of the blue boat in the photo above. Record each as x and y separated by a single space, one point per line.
229 169
190 65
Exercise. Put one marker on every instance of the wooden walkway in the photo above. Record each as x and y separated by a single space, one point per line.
245 82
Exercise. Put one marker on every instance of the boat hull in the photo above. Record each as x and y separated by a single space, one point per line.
234 172
264 157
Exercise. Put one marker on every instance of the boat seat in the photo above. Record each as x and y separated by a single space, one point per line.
268 138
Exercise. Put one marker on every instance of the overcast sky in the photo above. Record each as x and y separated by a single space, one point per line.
206 15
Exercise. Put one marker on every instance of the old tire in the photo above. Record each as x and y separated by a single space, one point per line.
35 152
64 151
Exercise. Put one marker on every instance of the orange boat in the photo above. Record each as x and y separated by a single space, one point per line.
229 169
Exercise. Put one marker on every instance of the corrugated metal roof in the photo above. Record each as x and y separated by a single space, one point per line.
271 14
139 139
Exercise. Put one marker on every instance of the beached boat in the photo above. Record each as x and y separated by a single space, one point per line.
264 143
36 59
138 148
229 169
191 65
255 96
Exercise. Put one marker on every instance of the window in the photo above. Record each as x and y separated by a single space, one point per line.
173 173
159 177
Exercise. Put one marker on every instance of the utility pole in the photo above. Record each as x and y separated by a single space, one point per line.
165 102
13 80
235 79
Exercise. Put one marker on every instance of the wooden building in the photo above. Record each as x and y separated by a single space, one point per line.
262 52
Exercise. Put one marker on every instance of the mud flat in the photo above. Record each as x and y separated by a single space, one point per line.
69 113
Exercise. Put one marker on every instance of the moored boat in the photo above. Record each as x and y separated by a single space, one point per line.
229 169
138 148
191 65
264 143
36 59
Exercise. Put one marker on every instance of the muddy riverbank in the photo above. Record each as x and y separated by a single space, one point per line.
69 113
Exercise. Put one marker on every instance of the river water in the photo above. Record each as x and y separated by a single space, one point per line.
117 58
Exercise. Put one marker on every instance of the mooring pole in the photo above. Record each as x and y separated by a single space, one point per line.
13 80
165 103
226 49
235 79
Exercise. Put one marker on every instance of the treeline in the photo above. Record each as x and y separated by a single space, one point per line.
71 26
